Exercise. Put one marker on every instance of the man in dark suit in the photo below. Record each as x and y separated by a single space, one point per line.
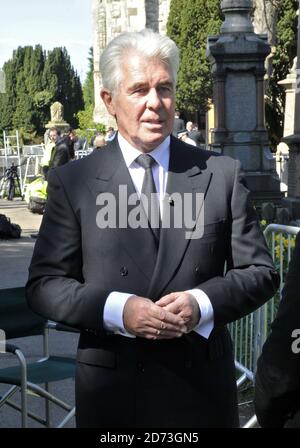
150 292
59 156
277 387
197 136
178 124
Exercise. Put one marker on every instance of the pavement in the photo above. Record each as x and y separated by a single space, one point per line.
15 256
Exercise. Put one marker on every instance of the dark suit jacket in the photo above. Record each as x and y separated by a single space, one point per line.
60 156
277 392
120 381
178 126
198 137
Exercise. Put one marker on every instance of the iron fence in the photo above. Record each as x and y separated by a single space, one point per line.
250 332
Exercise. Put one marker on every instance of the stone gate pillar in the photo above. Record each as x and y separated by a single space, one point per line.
238 58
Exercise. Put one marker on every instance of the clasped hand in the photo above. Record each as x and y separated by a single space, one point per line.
170 317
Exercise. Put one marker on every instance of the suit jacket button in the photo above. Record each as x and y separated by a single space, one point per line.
124 271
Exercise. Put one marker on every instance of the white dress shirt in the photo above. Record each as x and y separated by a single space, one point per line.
113 309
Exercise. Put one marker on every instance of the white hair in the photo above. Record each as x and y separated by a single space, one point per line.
147 43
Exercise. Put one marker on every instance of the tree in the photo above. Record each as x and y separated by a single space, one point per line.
87 126
34 80
85 117
8 99
189 24
24 113
61 80
174 20
88 87
28 82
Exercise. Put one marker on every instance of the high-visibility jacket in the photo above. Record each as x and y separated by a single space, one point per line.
47 154
37 189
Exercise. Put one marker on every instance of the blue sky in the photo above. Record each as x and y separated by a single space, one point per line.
30 22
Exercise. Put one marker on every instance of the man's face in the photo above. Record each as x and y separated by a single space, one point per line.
189 126
53 136
144 104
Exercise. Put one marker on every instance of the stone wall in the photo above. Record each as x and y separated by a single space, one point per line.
111 18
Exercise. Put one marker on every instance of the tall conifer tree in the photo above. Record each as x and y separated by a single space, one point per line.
88 87
189 24
33 81
8 98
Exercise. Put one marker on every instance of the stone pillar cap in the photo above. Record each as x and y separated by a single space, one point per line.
236 4
237 16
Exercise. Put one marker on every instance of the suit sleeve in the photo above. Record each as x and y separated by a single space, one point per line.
61 156
277 388
250 278
56 288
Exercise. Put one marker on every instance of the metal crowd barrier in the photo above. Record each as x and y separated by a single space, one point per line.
32 169
250 332
28 163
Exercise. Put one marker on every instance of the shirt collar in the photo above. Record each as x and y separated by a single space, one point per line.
161 154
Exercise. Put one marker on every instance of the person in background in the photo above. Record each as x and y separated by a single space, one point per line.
152 298
277 382
79 143
57 151
60 156
54 135
197 136
70 140
183 136
189 126
99 142
110 135
178 124
93 138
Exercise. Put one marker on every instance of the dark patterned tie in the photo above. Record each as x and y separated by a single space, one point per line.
149 190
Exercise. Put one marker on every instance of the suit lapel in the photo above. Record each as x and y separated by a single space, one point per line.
186 175
111 176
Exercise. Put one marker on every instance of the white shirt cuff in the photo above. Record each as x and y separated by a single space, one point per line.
206 323
113 313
